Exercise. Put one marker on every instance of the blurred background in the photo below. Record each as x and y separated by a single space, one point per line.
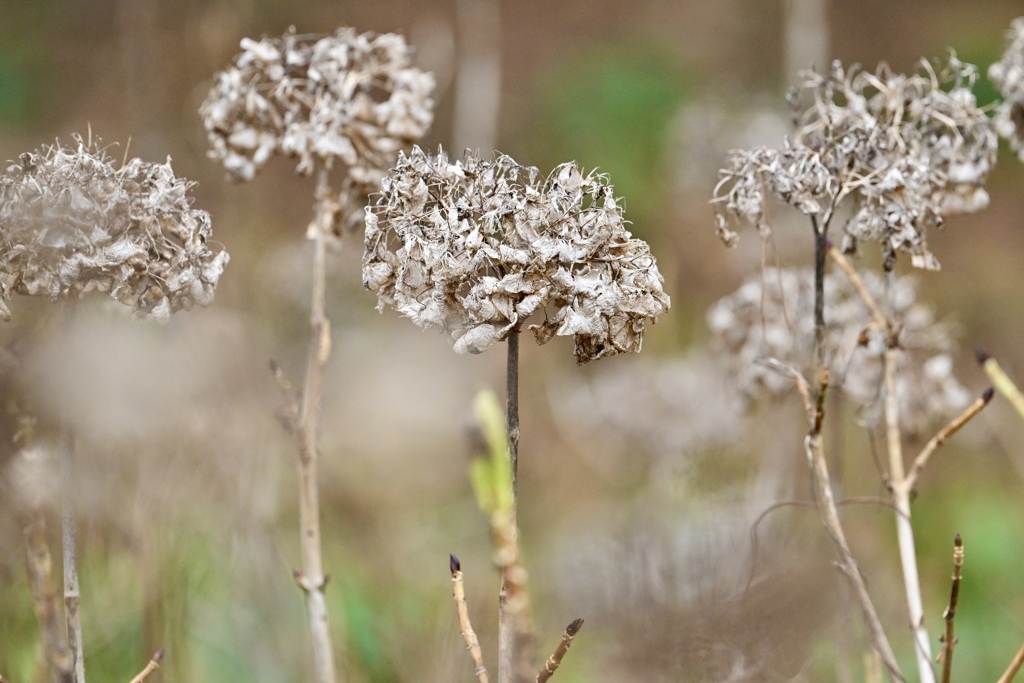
640 484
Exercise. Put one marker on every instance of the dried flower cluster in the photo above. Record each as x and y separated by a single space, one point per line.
71 223
771 317
475 247
354 97
1008 76
906 150
662 408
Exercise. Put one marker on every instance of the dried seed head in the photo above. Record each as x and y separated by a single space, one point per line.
70 223
905 150
475 247
771 316
351 97
1008 76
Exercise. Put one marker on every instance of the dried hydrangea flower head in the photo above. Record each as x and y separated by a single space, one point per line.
905 150
771 317
71 222
475 247
1008 76
354 98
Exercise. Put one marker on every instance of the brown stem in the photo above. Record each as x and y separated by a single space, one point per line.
948 641
1011 671
515 636
44 596
830 518
69 524
556 657
151 666
312 578
904 527
468 634
943 435
820 249
899 482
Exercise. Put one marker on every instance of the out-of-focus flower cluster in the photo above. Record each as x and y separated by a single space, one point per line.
1008 75
354 97
663 408
906 151
771 316
475 247
71 223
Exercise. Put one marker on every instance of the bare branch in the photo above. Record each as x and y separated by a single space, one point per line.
1002 382
40 574
1011 671
311 578
830 518
904 528
858 284
948 641
898 480
69 524
944 434
556 657
151 666
468 634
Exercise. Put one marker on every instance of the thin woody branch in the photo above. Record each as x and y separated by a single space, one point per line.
504 527
312 578
514 600
898 479
943 435
1001 381
1011 671
468 634
44 596
830 518
151 666
69 529
556 657
948 640
879 318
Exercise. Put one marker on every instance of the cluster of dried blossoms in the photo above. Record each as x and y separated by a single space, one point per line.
675 407
771 316
475 247
1008 76
71 223
906 151
351 97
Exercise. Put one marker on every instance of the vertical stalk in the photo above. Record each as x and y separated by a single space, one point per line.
40 575
829 512
312 579
69 529
506 622
904 529
820 250
69 523
819 465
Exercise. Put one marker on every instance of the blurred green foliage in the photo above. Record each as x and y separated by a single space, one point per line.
491 471
610 108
